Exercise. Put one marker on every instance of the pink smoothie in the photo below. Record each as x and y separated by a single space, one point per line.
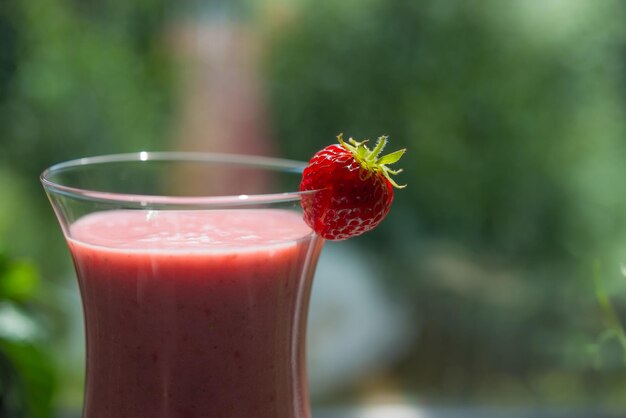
195 314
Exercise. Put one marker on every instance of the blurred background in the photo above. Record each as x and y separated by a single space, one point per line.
497 281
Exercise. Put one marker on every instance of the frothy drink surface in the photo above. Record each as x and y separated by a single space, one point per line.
194 313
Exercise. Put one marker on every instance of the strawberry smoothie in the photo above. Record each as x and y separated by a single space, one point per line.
195 313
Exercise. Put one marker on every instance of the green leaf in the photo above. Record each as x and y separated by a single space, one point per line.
19 281
391 158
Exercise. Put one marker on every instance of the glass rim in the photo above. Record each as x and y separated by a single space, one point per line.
277 165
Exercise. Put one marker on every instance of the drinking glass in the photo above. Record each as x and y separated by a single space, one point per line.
195 273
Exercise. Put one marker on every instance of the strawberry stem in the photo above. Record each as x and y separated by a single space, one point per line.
370 160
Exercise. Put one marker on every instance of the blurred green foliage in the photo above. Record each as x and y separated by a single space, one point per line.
27 374
85 75
76 79
504 120
512 113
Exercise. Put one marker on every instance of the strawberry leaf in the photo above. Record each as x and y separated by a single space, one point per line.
391 158
380 144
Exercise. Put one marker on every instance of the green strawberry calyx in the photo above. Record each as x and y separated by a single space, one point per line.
371 161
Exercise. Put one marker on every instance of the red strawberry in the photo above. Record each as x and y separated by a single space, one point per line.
355 188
